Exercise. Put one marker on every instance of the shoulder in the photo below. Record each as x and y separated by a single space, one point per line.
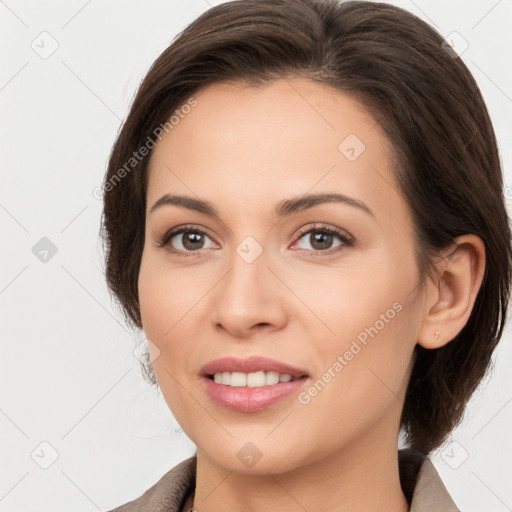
169 493
422 484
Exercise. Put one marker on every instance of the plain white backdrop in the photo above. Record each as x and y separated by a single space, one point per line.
81 430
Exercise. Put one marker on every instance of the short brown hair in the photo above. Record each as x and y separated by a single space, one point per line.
430 107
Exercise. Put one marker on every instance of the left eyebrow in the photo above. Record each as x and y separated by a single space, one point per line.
290 206
283 209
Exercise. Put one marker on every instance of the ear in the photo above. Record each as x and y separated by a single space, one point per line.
450 298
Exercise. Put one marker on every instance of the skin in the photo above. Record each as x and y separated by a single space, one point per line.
244 150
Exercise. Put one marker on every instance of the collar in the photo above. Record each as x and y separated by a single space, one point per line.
419 479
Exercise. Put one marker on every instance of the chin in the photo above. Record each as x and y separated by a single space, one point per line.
258 457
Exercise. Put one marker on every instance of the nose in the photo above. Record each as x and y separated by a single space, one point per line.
249 299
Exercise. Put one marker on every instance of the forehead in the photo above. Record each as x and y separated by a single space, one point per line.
285 138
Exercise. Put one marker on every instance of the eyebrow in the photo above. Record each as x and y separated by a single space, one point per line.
283 209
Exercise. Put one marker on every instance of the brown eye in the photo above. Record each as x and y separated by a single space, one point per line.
185 240
321 240
192 240
324 239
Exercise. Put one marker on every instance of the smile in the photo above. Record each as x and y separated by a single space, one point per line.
251 380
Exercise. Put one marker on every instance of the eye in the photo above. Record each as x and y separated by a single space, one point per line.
321 239
189 240
186 239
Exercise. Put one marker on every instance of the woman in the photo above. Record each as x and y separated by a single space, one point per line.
304 213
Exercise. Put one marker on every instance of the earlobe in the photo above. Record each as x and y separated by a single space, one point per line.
450 300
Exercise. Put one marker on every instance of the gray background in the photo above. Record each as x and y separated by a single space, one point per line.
81 430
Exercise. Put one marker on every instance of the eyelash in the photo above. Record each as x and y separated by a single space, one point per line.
345 238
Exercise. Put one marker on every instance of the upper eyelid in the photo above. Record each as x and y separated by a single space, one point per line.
320 226
178 230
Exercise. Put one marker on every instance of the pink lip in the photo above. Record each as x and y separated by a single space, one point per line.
247 399
250 399
252 364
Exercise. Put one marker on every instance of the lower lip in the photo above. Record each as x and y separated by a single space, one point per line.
246 399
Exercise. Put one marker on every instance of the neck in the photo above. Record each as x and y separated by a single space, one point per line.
363 479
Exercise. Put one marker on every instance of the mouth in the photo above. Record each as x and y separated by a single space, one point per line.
252 372
253 384
256 379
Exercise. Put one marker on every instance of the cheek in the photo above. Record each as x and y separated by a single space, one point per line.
169 304
161 308
165 297
362 372
369 318
366 292
151 300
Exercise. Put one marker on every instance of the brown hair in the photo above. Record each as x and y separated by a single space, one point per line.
431 109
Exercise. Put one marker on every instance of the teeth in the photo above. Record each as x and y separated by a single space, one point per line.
251 380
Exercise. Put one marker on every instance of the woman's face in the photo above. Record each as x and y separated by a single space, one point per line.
327 288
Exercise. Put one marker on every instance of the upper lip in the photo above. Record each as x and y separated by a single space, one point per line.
250 365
